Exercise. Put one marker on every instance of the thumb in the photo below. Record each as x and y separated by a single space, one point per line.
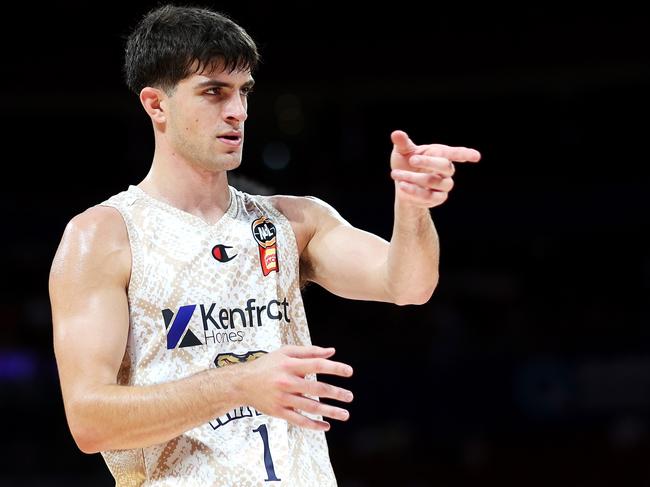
403 144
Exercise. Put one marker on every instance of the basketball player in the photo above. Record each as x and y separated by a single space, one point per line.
179 330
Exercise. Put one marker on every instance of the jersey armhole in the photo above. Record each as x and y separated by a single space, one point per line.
135 278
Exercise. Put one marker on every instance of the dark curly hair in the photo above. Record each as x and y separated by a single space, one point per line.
172 42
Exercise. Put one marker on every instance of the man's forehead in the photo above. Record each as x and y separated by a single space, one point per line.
222 77
218 71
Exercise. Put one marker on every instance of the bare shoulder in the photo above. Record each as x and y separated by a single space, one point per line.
302 208
92 240
306 215
98 228
103 220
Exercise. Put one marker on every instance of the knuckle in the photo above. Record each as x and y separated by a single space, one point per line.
320 389
308 423
283 381
321 365
327 390
311 406
301 420
285 350
314 387
337 413
329 411
288 363
434 197
432 180
450 184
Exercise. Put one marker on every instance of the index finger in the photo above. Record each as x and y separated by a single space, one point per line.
456 154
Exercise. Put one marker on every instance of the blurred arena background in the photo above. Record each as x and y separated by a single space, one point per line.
531 363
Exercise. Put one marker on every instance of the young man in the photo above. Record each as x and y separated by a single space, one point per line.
179 330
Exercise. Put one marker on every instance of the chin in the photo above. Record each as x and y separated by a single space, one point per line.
228 164
219 165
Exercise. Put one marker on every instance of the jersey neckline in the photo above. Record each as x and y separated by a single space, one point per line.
230 211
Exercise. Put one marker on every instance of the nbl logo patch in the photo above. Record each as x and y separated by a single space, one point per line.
266 238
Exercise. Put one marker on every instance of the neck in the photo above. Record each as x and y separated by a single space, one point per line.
188 187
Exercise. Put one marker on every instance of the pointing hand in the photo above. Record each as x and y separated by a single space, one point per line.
423 173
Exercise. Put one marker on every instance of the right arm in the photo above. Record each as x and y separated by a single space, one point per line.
88 283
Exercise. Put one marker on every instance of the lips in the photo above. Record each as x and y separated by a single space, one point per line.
230 138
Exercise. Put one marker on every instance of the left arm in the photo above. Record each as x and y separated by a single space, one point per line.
356 264
413 255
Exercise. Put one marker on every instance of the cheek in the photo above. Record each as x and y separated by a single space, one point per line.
194 122
190 126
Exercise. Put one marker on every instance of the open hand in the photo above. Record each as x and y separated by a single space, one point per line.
276 385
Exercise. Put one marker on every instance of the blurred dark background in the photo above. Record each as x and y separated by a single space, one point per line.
531 363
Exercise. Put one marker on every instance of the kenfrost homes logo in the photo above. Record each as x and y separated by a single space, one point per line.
221 325
179 324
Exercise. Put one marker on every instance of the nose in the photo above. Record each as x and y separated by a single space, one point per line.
236 109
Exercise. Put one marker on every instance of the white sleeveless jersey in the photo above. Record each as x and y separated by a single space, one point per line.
210 295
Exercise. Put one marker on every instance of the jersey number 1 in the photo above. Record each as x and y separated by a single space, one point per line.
268 459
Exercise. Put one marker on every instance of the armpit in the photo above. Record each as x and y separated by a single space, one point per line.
306 273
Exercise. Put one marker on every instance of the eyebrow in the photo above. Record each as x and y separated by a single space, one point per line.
219 84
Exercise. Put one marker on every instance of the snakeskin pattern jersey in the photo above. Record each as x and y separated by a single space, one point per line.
210 295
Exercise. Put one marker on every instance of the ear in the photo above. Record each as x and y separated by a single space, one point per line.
152 100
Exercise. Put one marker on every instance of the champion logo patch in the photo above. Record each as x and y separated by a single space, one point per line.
220 253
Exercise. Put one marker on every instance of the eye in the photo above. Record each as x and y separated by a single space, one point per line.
215 90
246 91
